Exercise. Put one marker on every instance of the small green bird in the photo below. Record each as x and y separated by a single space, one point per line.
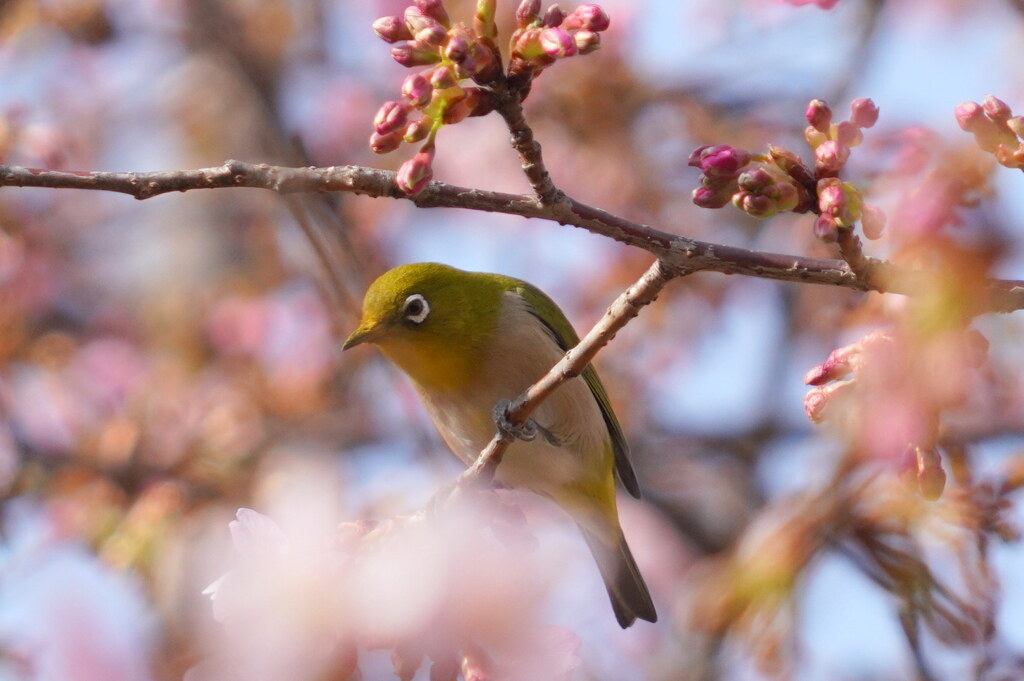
469 340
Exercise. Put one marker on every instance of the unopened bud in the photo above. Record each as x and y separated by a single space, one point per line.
755 180
418 130
557 43
1016 126
969 115
391 29
382 144
706 197
863 112
587 41
825 228
434 9
432 36
587 17
848 134
996 109
457 49
819 115
415 173
417 20
443 78
553 17
411 53
390 117
527 13
830 157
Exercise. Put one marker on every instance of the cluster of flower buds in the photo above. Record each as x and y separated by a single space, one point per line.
767 184
876 378
995 129
434 96
452 53
540 39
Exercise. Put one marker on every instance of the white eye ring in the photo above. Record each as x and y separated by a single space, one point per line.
415 309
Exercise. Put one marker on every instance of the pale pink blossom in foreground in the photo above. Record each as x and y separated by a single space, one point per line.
64 615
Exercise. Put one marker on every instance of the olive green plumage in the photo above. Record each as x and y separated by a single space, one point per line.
468 340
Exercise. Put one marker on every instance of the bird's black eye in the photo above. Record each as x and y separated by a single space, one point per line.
415 309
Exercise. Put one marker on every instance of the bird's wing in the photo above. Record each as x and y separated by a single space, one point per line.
552 317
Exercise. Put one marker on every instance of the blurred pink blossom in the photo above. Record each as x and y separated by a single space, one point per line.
66 616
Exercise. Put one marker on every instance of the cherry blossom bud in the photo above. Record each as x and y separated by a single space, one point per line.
391 29
587 41
417 20
872 221
756 180
829 158
418 130
840 201
996 109
411 53
818 399
432 36
819 115
527 13
863 112
434 9
553 17
557 43
588 17
847 134
443 78
706 197
390 117
720 160
416 90
825 228
480 101
382 144
415 173
969 115
457 49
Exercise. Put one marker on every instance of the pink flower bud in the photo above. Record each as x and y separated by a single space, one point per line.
721 160
434 9
432 36
391 29
848 134
705 197
872 221
587 41
588 17
754 205
825 228
997 109
829 158
457 49
418 130
443 78
553 17
416 90
382 144
818 399
755 180
839 201
480 101
527 13
390 117
415 173
417 20
968 116
557 43
863 113
411 53
818 115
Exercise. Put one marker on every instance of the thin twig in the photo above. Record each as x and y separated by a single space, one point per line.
625 308
676 251
510 107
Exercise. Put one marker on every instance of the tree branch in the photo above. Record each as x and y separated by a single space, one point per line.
674 250
625 308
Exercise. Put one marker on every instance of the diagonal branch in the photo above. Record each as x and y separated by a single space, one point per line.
676 251
625 308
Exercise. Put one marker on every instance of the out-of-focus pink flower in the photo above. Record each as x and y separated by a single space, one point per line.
822 4
65 615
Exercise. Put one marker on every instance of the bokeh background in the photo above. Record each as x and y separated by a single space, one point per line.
166 362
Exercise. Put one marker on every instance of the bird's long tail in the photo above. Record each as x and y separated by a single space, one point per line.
626 588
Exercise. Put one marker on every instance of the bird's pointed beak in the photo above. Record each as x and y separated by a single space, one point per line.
366 332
